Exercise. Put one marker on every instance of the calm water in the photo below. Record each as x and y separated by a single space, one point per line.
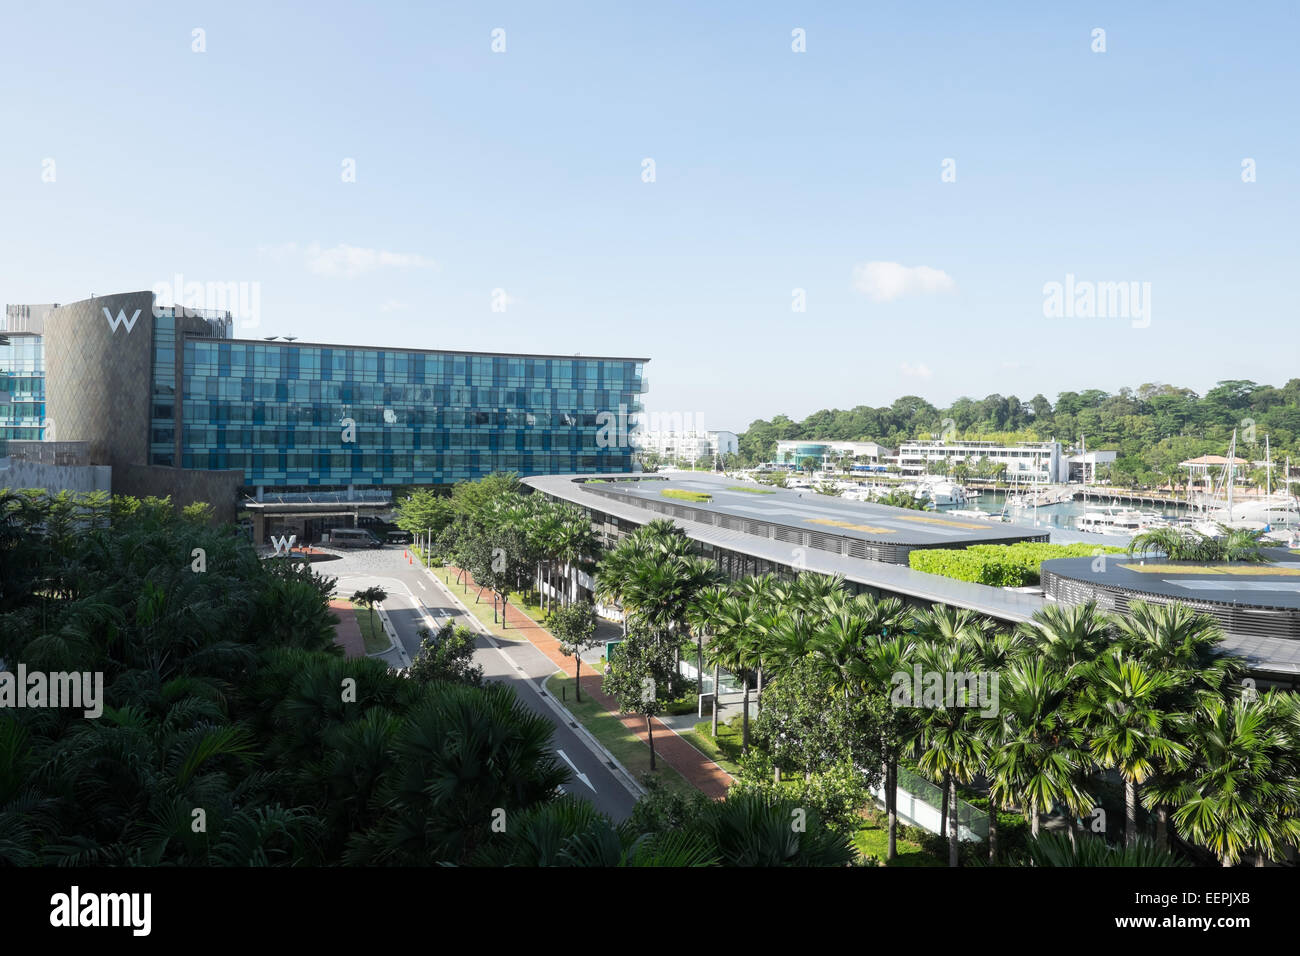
1062 515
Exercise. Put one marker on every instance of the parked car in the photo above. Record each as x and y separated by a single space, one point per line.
399 537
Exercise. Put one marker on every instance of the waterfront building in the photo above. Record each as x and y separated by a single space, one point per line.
829 453
1041 461
1211 467
1083 467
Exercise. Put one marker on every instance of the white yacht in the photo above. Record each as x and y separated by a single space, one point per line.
941 491
972 513
1125 521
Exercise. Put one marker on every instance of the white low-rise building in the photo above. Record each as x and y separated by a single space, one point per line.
828 453
687 445
1041 461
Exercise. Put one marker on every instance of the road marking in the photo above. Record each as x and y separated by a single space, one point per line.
580 776
421 584
621 775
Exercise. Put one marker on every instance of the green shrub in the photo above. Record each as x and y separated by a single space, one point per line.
686 495
999 565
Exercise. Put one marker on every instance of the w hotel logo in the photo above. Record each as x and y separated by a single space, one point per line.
121 319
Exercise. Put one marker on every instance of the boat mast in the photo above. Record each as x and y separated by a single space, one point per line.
1268 466
1231 468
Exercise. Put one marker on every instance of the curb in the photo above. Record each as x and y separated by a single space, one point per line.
393 642
622 774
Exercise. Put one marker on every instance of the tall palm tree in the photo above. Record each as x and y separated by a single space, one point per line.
952 746
1119 709
1067 636
730 648
1041 756
882 658
1176 640
573 542
702 617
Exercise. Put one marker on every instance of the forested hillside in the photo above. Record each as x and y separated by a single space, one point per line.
1153 427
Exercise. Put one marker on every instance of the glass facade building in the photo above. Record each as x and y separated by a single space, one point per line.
298 415
22 373
162 408
22 388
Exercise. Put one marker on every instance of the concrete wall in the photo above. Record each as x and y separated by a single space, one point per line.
185 485
19 473
98 380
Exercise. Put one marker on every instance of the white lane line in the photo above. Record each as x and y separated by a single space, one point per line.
580 776
566 718
421 584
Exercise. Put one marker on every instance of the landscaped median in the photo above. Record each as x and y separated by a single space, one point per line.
672 752
483 609
372 629
627 748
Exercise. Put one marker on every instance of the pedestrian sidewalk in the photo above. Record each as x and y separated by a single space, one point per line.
698 770
347 632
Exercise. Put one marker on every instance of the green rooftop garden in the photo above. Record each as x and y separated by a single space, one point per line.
1000 565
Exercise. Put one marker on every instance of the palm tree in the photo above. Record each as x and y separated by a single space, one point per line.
1230 544
1051 849
1067 636
1119 708
754 830
1244 795
572 542
368 599
1176 640
730 648
952 747
883 658
1041 754
701 617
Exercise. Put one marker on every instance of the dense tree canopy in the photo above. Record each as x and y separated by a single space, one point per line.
1153 427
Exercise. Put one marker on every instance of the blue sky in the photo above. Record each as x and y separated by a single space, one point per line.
774 171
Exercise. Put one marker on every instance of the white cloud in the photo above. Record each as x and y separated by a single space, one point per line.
886 281
919 370
345 261
392 305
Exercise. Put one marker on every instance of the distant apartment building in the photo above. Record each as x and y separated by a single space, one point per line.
827 453
1042 461
688 445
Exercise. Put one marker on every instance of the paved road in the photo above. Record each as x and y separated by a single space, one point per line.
416 599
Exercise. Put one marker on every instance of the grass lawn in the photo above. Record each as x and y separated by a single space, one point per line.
626 747
873 840
751 491
372 632
725 751
482 610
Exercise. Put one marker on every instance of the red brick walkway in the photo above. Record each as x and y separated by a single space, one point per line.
347 632
698 770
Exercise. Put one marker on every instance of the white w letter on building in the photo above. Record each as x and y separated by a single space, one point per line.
121 319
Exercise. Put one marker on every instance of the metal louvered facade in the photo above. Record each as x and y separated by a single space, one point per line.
1235 619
